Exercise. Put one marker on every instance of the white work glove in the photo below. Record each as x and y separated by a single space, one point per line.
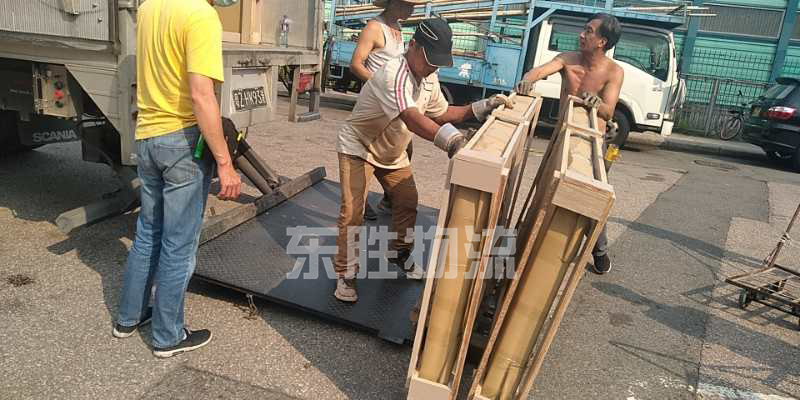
449 139
524 87
591 100
482 108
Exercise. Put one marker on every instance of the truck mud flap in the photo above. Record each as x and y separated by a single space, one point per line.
285 255
43 129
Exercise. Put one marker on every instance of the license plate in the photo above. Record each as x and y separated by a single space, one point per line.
249 98
756 111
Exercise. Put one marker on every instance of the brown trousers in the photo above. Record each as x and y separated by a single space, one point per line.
354 173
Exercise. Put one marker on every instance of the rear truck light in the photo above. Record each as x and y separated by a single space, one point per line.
780 113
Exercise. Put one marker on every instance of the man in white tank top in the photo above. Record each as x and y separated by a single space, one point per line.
380 41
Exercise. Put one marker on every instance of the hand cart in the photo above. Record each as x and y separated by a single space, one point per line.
772 285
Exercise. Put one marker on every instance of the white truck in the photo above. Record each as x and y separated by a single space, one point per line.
68 69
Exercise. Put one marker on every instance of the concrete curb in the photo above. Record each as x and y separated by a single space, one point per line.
687 144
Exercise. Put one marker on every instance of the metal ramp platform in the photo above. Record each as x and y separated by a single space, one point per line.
258 256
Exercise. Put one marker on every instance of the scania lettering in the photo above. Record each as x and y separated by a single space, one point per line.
55 136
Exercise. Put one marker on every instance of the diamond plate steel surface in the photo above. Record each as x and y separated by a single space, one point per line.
260 257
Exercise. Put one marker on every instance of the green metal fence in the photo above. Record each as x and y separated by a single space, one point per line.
723 80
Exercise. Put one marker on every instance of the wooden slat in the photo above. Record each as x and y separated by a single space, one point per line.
231 18
577 193
231 37
251 21
474 168
421 389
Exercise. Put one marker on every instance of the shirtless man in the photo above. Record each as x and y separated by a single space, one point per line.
591 75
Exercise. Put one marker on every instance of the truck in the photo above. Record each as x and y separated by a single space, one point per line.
497 41
69 69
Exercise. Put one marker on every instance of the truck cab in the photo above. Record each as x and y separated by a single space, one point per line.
652 87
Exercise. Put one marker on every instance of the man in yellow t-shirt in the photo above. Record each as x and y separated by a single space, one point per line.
179 57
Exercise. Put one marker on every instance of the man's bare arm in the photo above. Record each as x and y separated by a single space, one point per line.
544 70
420 124
446 137
367 40
206 110
454 114
610 95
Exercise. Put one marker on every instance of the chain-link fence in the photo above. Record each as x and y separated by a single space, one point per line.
709 100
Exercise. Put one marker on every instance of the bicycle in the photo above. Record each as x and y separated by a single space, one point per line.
732 126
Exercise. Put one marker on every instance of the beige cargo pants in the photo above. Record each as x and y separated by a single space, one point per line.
354 174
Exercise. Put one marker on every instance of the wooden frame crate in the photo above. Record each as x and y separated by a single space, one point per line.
555 186
241 22
474 169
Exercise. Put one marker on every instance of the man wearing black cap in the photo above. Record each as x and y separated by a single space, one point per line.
402 98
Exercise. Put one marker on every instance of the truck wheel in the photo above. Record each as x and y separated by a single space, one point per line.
448 95
9 135
796 160
624 129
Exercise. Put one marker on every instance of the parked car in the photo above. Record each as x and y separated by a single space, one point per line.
774 122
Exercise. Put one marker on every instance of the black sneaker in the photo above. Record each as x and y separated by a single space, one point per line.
602 264
369 213
123 332
193 341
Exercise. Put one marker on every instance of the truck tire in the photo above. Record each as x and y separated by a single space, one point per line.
796 160
9 135
448 95
624 129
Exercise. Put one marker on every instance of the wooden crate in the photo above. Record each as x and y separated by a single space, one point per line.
555 186
474 169
241 22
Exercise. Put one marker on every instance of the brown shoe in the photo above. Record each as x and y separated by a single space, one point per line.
346 289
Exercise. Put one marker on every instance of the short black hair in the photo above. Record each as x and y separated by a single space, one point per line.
610 29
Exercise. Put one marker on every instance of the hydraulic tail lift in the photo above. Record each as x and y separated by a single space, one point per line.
281 246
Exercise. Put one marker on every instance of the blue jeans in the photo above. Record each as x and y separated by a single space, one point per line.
174 190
